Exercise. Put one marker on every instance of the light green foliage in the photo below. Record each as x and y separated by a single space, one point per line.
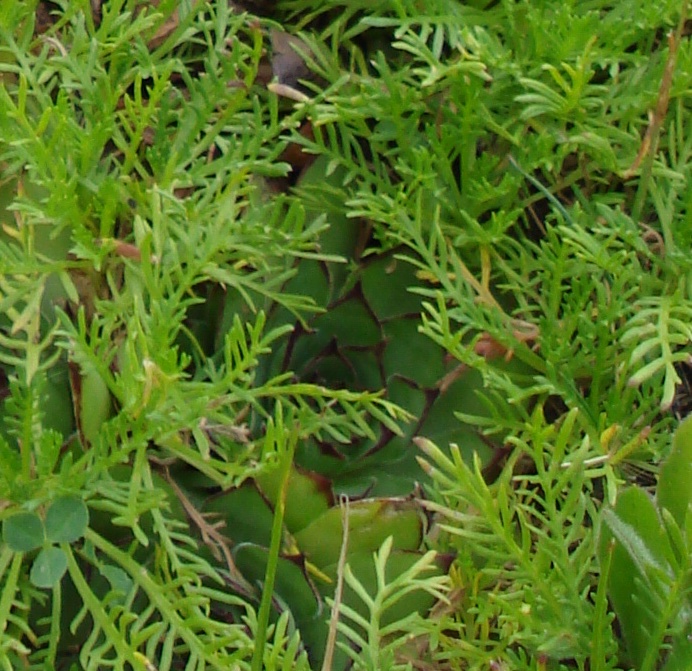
372 642
533 532
100 147
491 250
592 278
498 143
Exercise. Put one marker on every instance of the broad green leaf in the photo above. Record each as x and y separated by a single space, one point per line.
332 371
23 532
92 400
56 401
67 519
305 347
321 192
674 490
312 281
246 514
385 283
48 567
385 471
351 322
442 426
641 546
293 588
411 354
291 584
309 495
365 366
371 521
408 395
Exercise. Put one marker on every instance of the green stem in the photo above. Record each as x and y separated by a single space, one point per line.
654 130
598 657
55 627
273 560
96 609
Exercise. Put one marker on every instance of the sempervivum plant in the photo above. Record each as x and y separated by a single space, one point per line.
362 335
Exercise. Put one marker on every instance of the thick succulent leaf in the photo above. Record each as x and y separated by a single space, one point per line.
407 394
674 491
371 521
441 425
56 400
292 583
321 457
370 340
92 402
312 280
310 496
412 355
352 323
246 514
319 188
385 282
365 365
305 348
641 545
388 471
293 590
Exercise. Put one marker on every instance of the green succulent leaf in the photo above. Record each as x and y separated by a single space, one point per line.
245 512
674 490
293 585
293 591
92 399
371 522
641 555
399 277
310 496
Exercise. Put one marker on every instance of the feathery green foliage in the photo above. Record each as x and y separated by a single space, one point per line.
503 187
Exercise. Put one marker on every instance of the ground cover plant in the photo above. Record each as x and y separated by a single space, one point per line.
345 335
